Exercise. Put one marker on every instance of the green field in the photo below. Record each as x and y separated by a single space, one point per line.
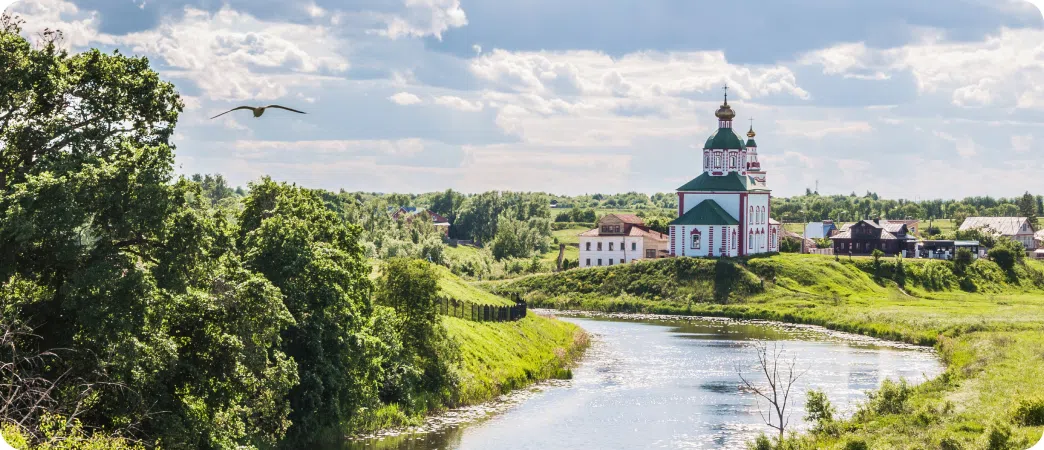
991 341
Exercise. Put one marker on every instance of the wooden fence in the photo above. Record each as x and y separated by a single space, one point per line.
482 313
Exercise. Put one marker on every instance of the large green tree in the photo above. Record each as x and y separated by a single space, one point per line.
115 260
315 259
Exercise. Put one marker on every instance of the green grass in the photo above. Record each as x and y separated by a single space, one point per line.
455 288
461 251
991 341
501 356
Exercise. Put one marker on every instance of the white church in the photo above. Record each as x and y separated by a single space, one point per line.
725 210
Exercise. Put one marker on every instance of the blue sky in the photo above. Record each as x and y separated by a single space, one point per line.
913 99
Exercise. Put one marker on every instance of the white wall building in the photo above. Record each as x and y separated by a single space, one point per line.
1017 228
725 210
619 239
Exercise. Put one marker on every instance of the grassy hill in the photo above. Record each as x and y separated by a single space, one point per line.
986 323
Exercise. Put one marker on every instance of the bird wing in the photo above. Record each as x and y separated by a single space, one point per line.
283 107
233 109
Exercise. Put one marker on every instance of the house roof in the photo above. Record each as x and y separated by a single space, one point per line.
1006 226
708 212
636 231
889 230
629 218
731 181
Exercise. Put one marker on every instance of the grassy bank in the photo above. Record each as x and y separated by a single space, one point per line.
494 357
991 340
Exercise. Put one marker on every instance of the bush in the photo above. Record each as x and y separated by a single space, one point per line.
761 443
1029 412
856 444
996 437
891 398
818 409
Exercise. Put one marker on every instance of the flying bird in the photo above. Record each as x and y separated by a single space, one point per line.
258 111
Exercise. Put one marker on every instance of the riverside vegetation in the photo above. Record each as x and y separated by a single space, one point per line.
986 321
138 310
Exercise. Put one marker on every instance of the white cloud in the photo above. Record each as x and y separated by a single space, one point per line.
633 75
1022 143
1012 59
458 103
425 18
965 146
817 129
405 98
229 55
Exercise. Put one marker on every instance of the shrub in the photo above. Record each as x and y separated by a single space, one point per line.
761 443
996 437
856 444
818 409
1029 412
891 398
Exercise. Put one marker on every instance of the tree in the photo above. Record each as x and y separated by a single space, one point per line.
315 260
1028 208
961 260
780 378
122 263
411 288
818 409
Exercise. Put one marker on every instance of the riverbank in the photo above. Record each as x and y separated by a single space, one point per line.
496 358
991 340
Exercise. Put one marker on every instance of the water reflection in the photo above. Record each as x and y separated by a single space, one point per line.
672 384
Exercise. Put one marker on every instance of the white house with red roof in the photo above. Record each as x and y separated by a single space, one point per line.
725 210
619 239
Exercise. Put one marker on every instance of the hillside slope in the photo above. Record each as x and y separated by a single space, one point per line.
987 323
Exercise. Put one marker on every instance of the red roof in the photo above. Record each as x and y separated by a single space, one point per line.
630 218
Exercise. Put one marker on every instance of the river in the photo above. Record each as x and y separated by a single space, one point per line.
658 382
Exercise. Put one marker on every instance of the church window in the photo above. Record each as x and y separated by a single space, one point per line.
750 218
717 161
695 238
750 240
733 239
732 162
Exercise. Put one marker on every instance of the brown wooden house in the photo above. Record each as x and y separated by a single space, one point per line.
865 236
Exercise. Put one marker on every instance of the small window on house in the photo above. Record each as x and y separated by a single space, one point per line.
588 262
695 238
610 246
589 249
750 240
599 248
634 246
599 261
650 253
610 261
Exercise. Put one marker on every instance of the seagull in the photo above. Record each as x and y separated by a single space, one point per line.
258 111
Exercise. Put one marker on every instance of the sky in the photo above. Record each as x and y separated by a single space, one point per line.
908 99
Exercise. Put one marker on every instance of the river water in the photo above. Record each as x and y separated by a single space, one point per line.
669 383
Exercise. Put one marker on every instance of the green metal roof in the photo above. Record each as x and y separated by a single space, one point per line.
724 139
731 181
751 143
708 212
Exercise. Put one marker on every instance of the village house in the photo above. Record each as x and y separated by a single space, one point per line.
820 230
725 210
1016 228
619 239
409 212
865 236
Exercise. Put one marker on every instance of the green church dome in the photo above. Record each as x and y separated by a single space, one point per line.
724 139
